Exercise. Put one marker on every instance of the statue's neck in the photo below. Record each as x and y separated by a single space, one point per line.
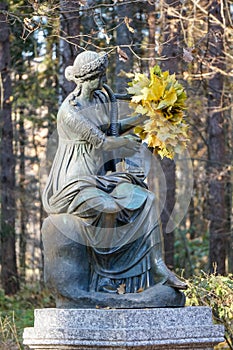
86 95
82 99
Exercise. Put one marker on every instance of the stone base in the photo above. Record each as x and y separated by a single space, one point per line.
119 329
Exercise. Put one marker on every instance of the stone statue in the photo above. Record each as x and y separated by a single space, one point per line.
102 241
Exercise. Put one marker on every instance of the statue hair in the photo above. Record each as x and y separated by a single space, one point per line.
86 65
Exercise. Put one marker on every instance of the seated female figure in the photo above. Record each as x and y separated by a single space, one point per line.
102 233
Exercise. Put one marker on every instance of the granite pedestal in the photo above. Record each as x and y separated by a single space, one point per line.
118 329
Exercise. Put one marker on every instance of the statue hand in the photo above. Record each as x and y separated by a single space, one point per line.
141 118
126 146
133 137
132 145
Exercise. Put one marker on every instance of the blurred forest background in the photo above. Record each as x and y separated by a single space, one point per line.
192 38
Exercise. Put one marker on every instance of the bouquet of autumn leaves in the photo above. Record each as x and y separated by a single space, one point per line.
162 98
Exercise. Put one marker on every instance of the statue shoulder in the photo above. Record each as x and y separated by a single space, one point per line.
66 108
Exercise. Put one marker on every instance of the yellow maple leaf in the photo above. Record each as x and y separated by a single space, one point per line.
121 289
169 99
141 110
139 130
137 98
153 141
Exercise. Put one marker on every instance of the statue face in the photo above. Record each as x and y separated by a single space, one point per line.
97 83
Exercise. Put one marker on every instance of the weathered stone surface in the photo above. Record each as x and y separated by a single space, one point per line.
118 329
153 297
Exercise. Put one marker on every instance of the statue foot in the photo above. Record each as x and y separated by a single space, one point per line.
175 282
168 277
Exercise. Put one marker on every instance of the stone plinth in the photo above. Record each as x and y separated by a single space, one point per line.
118 329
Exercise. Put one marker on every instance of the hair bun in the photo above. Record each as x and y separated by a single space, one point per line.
69 73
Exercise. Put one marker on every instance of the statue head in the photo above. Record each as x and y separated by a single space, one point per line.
87 65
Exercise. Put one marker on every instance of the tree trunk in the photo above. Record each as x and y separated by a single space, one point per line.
152 31
124 38
216 150
69 41
9 275
169 170
22 199
171 33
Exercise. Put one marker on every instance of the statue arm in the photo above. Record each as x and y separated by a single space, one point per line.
130 122
84 128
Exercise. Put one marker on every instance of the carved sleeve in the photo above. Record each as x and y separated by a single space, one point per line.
84 128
